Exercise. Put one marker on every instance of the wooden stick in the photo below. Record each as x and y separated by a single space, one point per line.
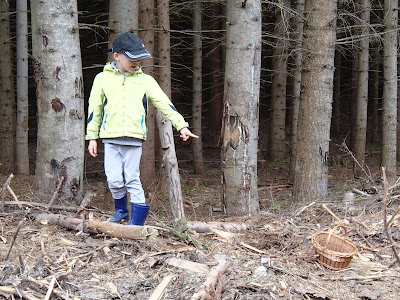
14 196
304 208
252 248
13 239
211 281
3 191
56 192
12 290
329 211
50 289
159 290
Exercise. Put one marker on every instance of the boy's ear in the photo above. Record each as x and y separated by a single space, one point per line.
116 54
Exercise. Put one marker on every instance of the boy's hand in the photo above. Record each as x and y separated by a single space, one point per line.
92 148
186 134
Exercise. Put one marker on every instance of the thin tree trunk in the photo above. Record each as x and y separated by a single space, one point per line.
389 105
216 76
241 100
146 23
197 144
170 162
296 83
353 102
122 17
336 95
311 178
59 91
22 142
277 140
362 89
375 99
7 99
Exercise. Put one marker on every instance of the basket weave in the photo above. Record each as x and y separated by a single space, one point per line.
333 252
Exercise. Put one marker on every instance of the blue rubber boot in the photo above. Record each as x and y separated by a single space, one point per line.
139 213
121 211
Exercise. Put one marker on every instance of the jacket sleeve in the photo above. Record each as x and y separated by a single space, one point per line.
95 110
161 101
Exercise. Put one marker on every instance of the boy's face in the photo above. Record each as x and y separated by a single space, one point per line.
124 64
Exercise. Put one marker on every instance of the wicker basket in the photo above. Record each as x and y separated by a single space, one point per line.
333 252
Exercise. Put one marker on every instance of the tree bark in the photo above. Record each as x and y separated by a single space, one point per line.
311 177
336 95
122 17
241 100
277 139
146 33
375 98
362 89
170 162
197 144
59 92
296 83
22 140
389 102
7 99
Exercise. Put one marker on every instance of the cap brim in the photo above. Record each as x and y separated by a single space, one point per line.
137 55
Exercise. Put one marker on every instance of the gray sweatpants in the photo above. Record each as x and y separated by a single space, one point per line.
121 165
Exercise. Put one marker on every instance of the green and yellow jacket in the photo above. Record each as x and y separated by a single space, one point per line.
118 105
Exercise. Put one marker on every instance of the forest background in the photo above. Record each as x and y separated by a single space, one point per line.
318 72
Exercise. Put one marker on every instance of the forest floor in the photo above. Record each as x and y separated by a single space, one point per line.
271 256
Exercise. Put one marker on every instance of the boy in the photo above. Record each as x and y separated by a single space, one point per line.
117 114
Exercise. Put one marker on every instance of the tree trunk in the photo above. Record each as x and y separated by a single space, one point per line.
7 99
375 98
277 140
148 161
59 92
336 95
296 82
170 162
122 17
362 89
311 177
353 102
389 102
22 142
197 144
216 75
241 99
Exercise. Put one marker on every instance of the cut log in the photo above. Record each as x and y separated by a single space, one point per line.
203 227
95 227
211 281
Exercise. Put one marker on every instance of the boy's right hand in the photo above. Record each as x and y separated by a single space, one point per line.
92 148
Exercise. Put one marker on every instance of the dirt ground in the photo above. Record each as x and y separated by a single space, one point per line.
271 257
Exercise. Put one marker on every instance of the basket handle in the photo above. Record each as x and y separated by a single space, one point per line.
331 232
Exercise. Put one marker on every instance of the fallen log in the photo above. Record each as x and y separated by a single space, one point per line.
96 227
211 281
203 227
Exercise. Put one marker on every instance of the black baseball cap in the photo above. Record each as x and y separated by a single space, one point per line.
131 45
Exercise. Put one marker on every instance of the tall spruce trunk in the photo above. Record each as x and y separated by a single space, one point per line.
389 102
241 100
311 177
362 89
122 17
7 99
375 98
277 139
197 144
22 138
59 91
299 29
170 162
148 161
